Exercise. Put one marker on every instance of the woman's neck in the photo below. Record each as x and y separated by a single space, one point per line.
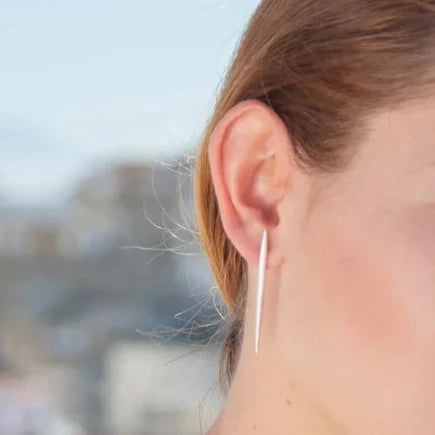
264 399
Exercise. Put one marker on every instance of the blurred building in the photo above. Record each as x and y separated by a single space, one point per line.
30 230
161 390
117 260
114 204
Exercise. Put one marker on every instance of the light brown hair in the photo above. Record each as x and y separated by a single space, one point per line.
324 67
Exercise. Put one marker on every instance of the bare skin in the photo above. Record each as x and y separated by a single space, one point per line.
348 332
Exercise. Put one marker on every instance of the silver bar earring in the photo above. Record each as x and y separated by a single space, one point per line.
260 287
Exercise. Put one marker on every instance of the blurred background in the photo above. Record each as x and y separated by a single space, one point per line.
109 319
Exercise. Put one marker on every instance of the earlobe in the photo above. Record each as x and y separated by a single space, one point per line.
248 156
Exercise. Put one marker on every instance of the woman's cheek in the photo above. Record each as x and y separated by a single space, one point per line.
364 297
416 272
419 234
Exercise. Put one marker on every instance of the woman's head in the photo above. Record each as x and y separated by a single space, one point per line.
324 134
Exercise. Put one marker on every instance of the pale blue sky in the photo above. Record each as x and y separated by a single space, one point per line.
83 81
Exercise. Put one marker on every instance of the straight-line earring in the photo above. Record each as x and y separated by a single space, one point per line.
260 286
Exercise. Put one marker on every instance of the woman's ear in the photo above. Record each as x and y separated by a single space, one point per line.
250 165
